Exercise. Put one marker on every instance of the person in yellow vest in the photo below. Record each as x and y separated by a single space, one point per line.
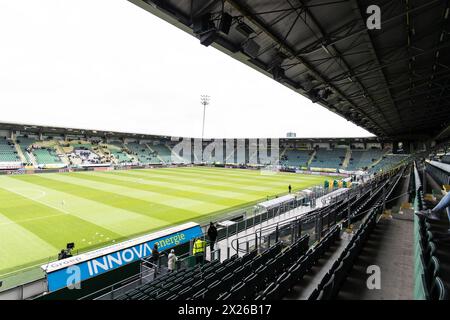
199 250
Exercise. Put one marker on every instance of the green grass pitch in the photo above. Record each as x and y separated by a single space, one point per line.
40 213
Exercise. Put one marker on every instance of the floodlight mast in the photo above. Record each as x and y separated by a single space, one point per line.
204 99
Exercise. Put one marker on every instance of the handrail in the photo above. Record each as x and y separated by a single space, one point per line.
266 229
290 221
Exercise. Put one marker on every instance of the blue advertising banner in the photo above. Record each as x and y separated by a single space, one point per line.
68 272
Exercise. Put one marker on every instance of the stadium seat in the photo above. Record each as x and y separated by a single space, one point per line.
200 295
431 271
273 293
214 289
224 296
185 293
328 289
228 280
284 282
438 290
238 291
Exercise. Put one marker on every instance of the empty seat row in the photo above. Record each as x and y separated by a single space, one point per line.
429 263
288 275
330 284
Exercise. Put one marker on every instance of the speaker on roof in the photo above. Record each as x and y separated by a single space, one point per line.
207 38
225 23
202 23
277 73
251 48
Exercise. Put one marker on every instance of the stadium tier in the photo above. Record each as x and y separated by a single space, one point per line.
446 158
387 161
361 159
164 153
297 158
46 156
325 158
93 151
8 152
143 153
25 144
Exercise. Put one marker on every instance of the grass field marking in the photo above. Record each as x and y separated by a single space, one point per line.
141 195
41 193
31 219
19 245
180 180
149 181
41 202
117 220
246 174
235 177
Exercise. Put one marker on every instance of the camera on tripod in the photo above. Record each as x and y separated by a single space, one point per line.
66 253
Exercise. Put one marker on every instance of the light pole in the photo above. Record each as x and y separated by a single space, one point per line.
204 99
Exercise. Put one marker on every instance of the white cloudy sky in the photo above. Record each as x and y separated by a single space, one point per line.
107 64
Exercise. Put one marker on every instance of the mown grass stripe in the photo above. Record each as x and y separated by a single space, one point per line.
174 202
117 220
19 245
245 174
159 211
281 180
56 227
217 183
217 188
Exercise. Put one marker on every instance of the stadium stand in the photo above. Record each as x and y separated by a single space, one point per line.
446 159
432 243
82 153
163 152
387 161
329 286
45 156
236 278
26 144
118 152
8 152
361 159
328 158
142 152
297 158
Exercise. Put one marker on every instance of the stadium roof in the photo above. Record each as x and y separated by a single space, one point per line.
55 131
394 82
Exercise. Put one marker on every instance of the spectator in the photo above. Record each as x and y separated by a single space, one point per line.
433 213
155 257
171 261
199 250
212 235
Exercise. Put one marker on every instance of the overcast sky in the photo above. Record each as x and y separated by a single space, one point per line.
109 65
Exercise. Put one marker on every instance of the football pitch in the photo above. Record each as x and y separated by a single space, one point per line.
41 213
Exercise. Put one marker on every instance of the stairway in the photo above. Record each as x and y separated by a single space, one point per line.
311 158
346 161
19 152
157 154
60 151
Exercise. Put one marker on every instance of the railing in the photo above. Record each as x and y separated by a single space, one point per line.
419 290
118 288
316 222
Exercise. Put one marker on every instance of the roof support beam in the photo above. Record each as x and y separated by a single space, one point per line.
255 20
